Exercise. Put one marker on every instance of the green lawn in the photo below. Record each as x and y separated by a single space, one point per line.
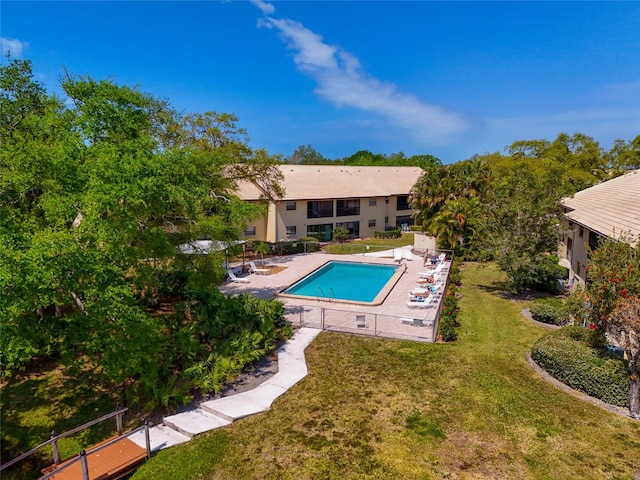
383 409
375 244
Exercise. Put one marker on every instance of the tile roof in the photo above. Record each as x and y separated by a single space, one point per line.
609 208
315 182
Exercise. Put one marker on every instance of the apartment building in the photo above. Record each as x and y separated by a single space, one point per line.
319 198
609 209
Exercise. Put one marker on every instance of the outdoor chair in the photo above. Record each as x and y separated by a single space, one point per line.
254 269
361 321
422 304
233 277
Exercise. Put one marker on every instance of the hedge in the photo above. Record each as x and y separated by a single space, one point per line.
299 246
397 233
549 310
566 355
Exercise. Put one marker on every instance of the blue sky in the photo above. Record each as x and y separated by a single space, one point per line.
450 79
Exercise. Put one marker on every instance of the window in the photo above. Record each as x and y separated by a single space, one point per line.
320 209
347 207
321 232
386 200
291 230
402 202
404 219
386 220
581 232
577 268
569 248
250 231
372 202
353 227
372 223
291 204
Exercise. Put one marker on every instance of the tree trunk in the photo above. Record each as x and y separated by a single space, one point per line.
634 387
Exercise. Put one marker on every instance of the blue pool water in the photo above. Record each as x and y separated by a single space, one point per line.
359 282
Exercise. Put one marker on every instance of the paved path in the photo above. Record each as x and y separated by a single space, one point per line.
180 428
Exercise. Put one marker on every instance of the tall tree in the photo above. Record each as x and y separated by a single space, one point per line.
94 197
523 223
306 156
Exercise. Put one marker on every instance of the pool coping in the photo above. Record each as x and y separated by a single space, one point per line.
379 298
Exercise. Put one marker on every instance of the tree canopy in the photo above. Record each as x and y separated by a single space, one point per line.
96 192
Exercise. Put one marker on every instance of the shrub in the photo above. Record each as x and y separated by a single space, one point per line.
455 278
447 330
549 310
449 317
567 356
298 246
396 233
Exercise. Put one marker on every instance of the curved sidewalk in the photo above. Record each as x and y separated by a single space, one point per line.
180 428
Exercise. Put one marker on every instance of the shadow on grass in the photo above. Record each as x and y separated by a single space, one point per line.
53 399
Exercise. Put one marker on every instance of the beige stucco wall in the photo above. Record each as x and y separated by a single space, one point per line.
576 258
273 228
423 242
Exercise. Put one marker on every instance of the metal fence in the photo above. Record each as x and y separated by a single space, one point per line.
370 323
364 323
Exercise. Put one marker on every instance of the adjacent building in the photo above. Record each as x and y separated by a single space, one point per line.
609 209
319 198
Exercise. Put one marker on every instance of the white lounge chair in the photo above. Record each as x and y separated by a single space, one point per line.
254 269
418 322
423 304
233 277
397 254
406 253
420 291
442 257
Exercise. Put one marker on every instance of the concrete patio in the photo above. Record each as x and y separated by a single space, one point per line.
392 318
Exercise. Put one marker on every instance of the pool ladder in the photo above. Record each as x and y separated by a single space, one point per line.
321 296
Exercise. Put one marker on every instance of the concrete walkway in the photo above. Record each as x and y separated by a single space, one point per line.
180 428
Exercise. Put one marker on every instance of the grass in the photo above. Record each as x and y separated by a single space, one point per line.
47 399
373 408
375 244
383 409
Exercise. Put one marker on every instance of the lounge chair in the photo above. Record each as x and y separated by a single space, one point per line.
233 277
397 254
254 269
418 322
442 257
406 253
421 304
361 321
420 291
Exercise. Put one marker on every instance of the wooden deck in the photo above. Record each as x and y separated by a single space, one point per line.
107 463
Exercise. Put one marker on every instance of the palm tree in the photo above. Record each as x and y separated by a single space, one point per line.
454 222
263 248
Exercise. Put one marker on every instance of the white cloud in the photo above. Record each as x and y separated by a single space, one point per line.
13 46
265 8
341 80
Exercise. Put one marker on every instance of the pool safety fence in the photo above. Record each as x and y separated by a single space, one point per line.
421 328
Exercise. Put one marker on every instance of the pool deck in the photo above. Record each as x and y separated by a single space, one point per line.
297 266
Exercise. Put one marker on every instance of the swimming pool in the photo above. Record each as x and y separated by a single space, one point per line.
346 281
